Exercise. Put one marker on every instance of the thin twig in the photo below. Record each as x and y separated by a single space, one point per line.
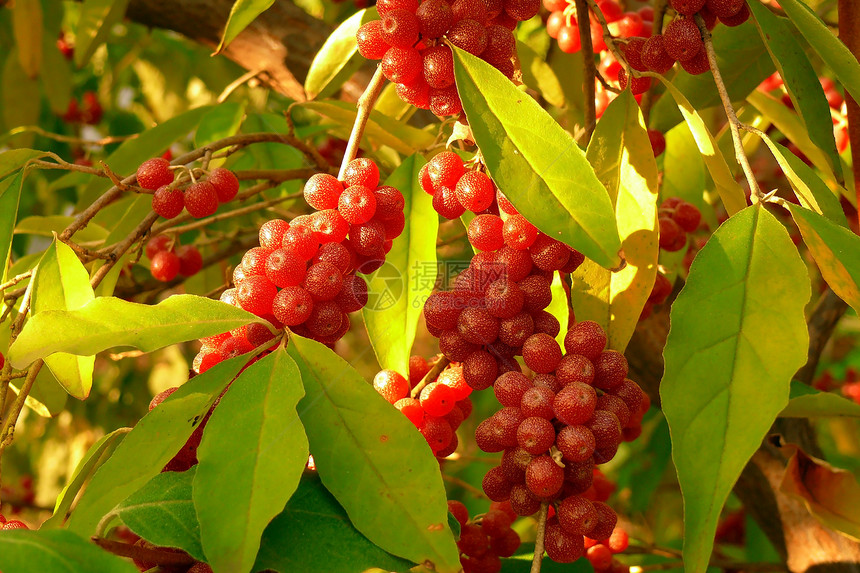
364 106
539 538
16 279
226 215
437 369
588 79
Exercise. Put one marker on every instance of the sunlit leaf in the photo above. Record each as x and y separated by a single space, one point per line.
338 58
807 402
242 14
58 550
94 24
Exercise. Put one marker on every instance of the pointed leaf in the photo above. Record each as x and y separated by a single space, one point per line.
108 322
538 75
621 154
162 512
382 473
94 25
807 402
801 80
28 551
313 533
153 442
538 165
62 283
241 15
10 195
338 57
251 458
28 28
398 289
731 193
727 377
835 250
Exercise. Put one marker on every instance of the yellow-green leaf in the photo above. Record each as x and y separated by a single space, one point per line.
28 28
241 15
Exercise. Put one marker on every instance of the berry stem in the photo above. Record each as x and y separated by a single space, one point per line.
430 376
849 28
15 280
590 75
364 106
541 530
143 553
734 123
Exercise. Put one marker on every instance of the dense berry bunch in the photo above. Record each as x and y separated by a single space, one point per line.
454 188
437 407
88 111
555 427
562 24
304 274
676 218
410 39
484 539
200 197
167 259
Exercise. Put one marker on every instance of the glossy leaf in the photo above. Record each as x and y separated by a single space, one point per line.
162 512
242 14
621 154
313 533
826 44
730 192
47 225
836 251
10 195
28 551
397 291
92 460
94 24
109 322
28 28
831 494
800 79
538 75
219 122
383 474
807 402
153 442
62 283
338 57
537 164
252 455
727 377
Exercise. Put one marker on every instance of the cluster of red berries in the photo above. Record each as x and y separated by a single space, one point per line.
304 273
199 198
554 428
484 539
167 259
659 294
64 46
455 189
676 218
411 40
88 111
440 406
11 524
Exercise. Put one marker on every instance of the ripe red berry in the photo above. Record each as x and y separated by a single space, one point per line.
637 85
256 294
682 39
541 353
416 93
687 216
654 55
353 294
549 254
391 385
600 557
575 403
323 281
284 269
445 203
411 408
437 432
322 191
201 199
190 260
523 502
610 370
725 8
168 203
537 292
438 66
158 243
300 241
164 266
577 515
478 326
361 171
485 232
389 203
400 28
445 169
698 64
501 45
444 102
468 35
14 524
292 305
519 234
371 43
437 399
522 10
586 338
607 519
672 236
459 511
574 368
544 477
154 173
495 485
272 233
357 204
736 20
475 191
434 17
536 435
687 7
225 182
576 443
326 319
569 40
658 141
329 226
538 401
562 547
385 6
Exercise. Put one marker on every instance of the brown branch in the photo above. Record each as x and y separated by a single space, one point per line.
364 106
144 554
849 33
437 369
588 89
539 539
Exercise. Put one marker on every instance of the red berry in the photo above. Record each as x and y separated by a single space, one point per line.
459 511
326 319
698 64
454 378
485 232
519 233
672 236
725 8
437 399
272 233
323 281
561 546
687 216
411 408
391 385
576 443
389 203
445 169
168 203
322 191
284 269
329 226
201 199
633 53
468 35
190 260
687 7
569 40
654 55
682 39
522 10
586 338
600 557
256 295
742 16
14 524
536 435
574 368
361 171
577 515
437 432
154 173
416 93
164 266
385 6
544 477
357 204
292 305
637 85
225 182
538 401
610 370
445 101
445 203
541 353
575 403
300 241
157 244
400 28
475 191
434 17
371 43
353 294
438 66
658 142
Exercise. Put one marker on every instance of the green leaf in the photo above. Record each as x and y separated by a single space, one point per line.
241 15
108 322
733 196
381 129
382 473
538 75
56 76
153 442
800 79
28 28
251 458
47 397
684 171
94 458
21 96
836 251
338 57
10 195
15 159
58 550
62 283
538 165
219 122
559 306
313 533
807 402
47 225
398 289
827 46
727 377
162 512
621 154
95 23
